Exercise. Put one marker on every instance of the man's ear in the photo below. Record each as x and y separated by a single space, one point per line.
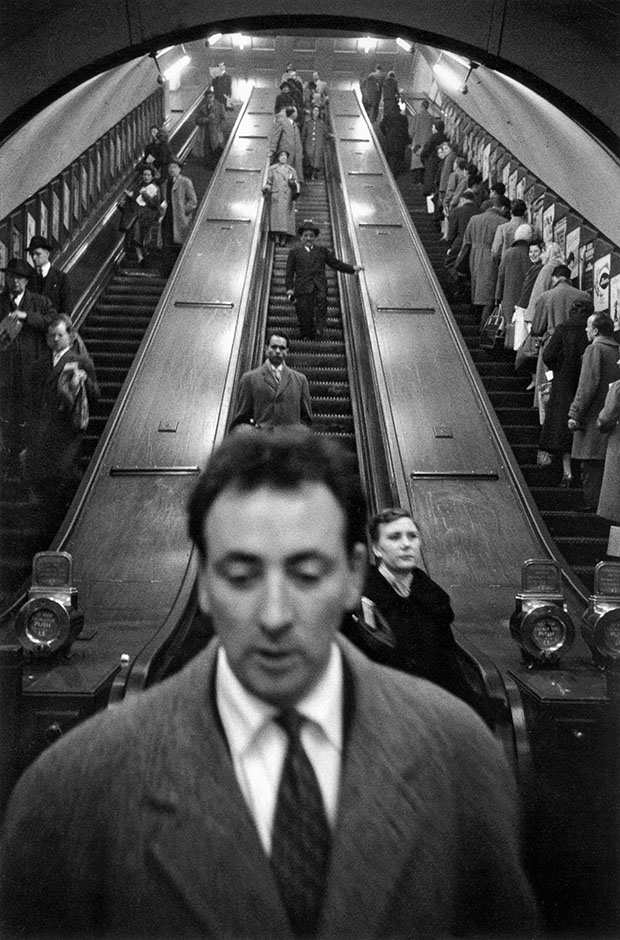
201 588
357 575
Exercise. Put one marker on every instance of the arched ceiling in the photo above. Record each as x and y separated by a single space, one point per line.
567 50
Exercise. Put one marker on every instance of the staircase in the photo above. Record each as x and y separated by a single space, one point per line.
322 360
580 535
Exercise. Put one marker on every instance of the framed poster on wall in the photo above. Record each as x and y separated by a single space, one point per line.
4 255
84 183
17 240
572 252
600 296
43 217
559 234
75 190
55 215
586 266
31 224
614 301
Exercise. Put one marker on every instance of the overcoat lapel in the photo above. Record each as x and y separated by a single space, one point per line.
379 820
203 838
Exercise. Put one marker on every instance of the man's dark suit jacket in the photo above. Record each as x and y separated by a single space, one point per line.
55 287
53 443
134 825
270 404
305 270
17 359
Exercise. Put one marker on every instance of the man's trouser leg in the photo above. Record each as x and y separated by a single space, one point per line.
304 305
592 481
320 310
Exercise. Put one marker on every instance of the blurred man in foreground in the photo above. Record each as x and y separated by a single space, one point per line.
281 784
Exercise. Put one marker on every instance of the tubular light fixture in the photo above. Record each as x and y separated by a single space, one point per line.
174 70
407 46
447 77
457 58
214 38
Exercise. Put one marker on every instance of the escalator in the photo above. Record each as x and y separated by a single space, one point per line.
322 361
579 534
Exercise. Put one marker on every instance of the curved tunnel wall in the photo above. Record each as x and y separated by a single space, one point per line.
568 51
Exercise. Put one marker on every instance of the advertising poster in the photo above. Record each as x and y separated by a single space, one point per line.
486 162
586 267
572 252
506 173
547 224
602 268
520 190
16 243
66 205
55 217
76 196
4 257
31 227
98 171
614 301
84 186
43 219
559 234
512 184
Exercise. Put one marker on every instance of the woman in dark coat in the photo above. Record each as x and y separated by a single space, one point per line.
563 354
608 422
140 212
431 159
412 614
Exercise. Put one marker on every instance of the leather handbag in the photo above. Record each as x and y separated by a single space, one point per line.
369 629
493 331
527 354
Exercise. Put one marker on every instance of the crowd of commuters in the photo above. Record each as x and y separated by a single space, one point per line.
47 382
499 262
271 772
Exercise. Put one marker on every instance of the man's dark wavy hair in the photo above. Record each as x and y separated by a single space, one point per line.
283 460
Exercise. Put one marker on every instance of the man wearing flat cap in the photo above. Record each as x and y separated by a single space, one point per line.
306 280
24 319
48 280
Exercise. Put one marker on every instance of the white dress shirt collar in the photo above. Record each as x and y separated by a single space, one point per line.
401 585
258 745
43 271
243 715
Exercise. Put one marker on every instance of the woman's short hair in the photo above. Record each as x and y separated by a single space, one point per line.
385 516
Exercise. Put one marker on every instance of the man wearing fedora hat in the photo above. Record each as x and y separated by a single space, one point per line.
49 281
24 319
306 280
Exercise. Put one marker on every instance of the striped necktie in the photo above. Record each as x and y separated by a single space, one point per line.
300 843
